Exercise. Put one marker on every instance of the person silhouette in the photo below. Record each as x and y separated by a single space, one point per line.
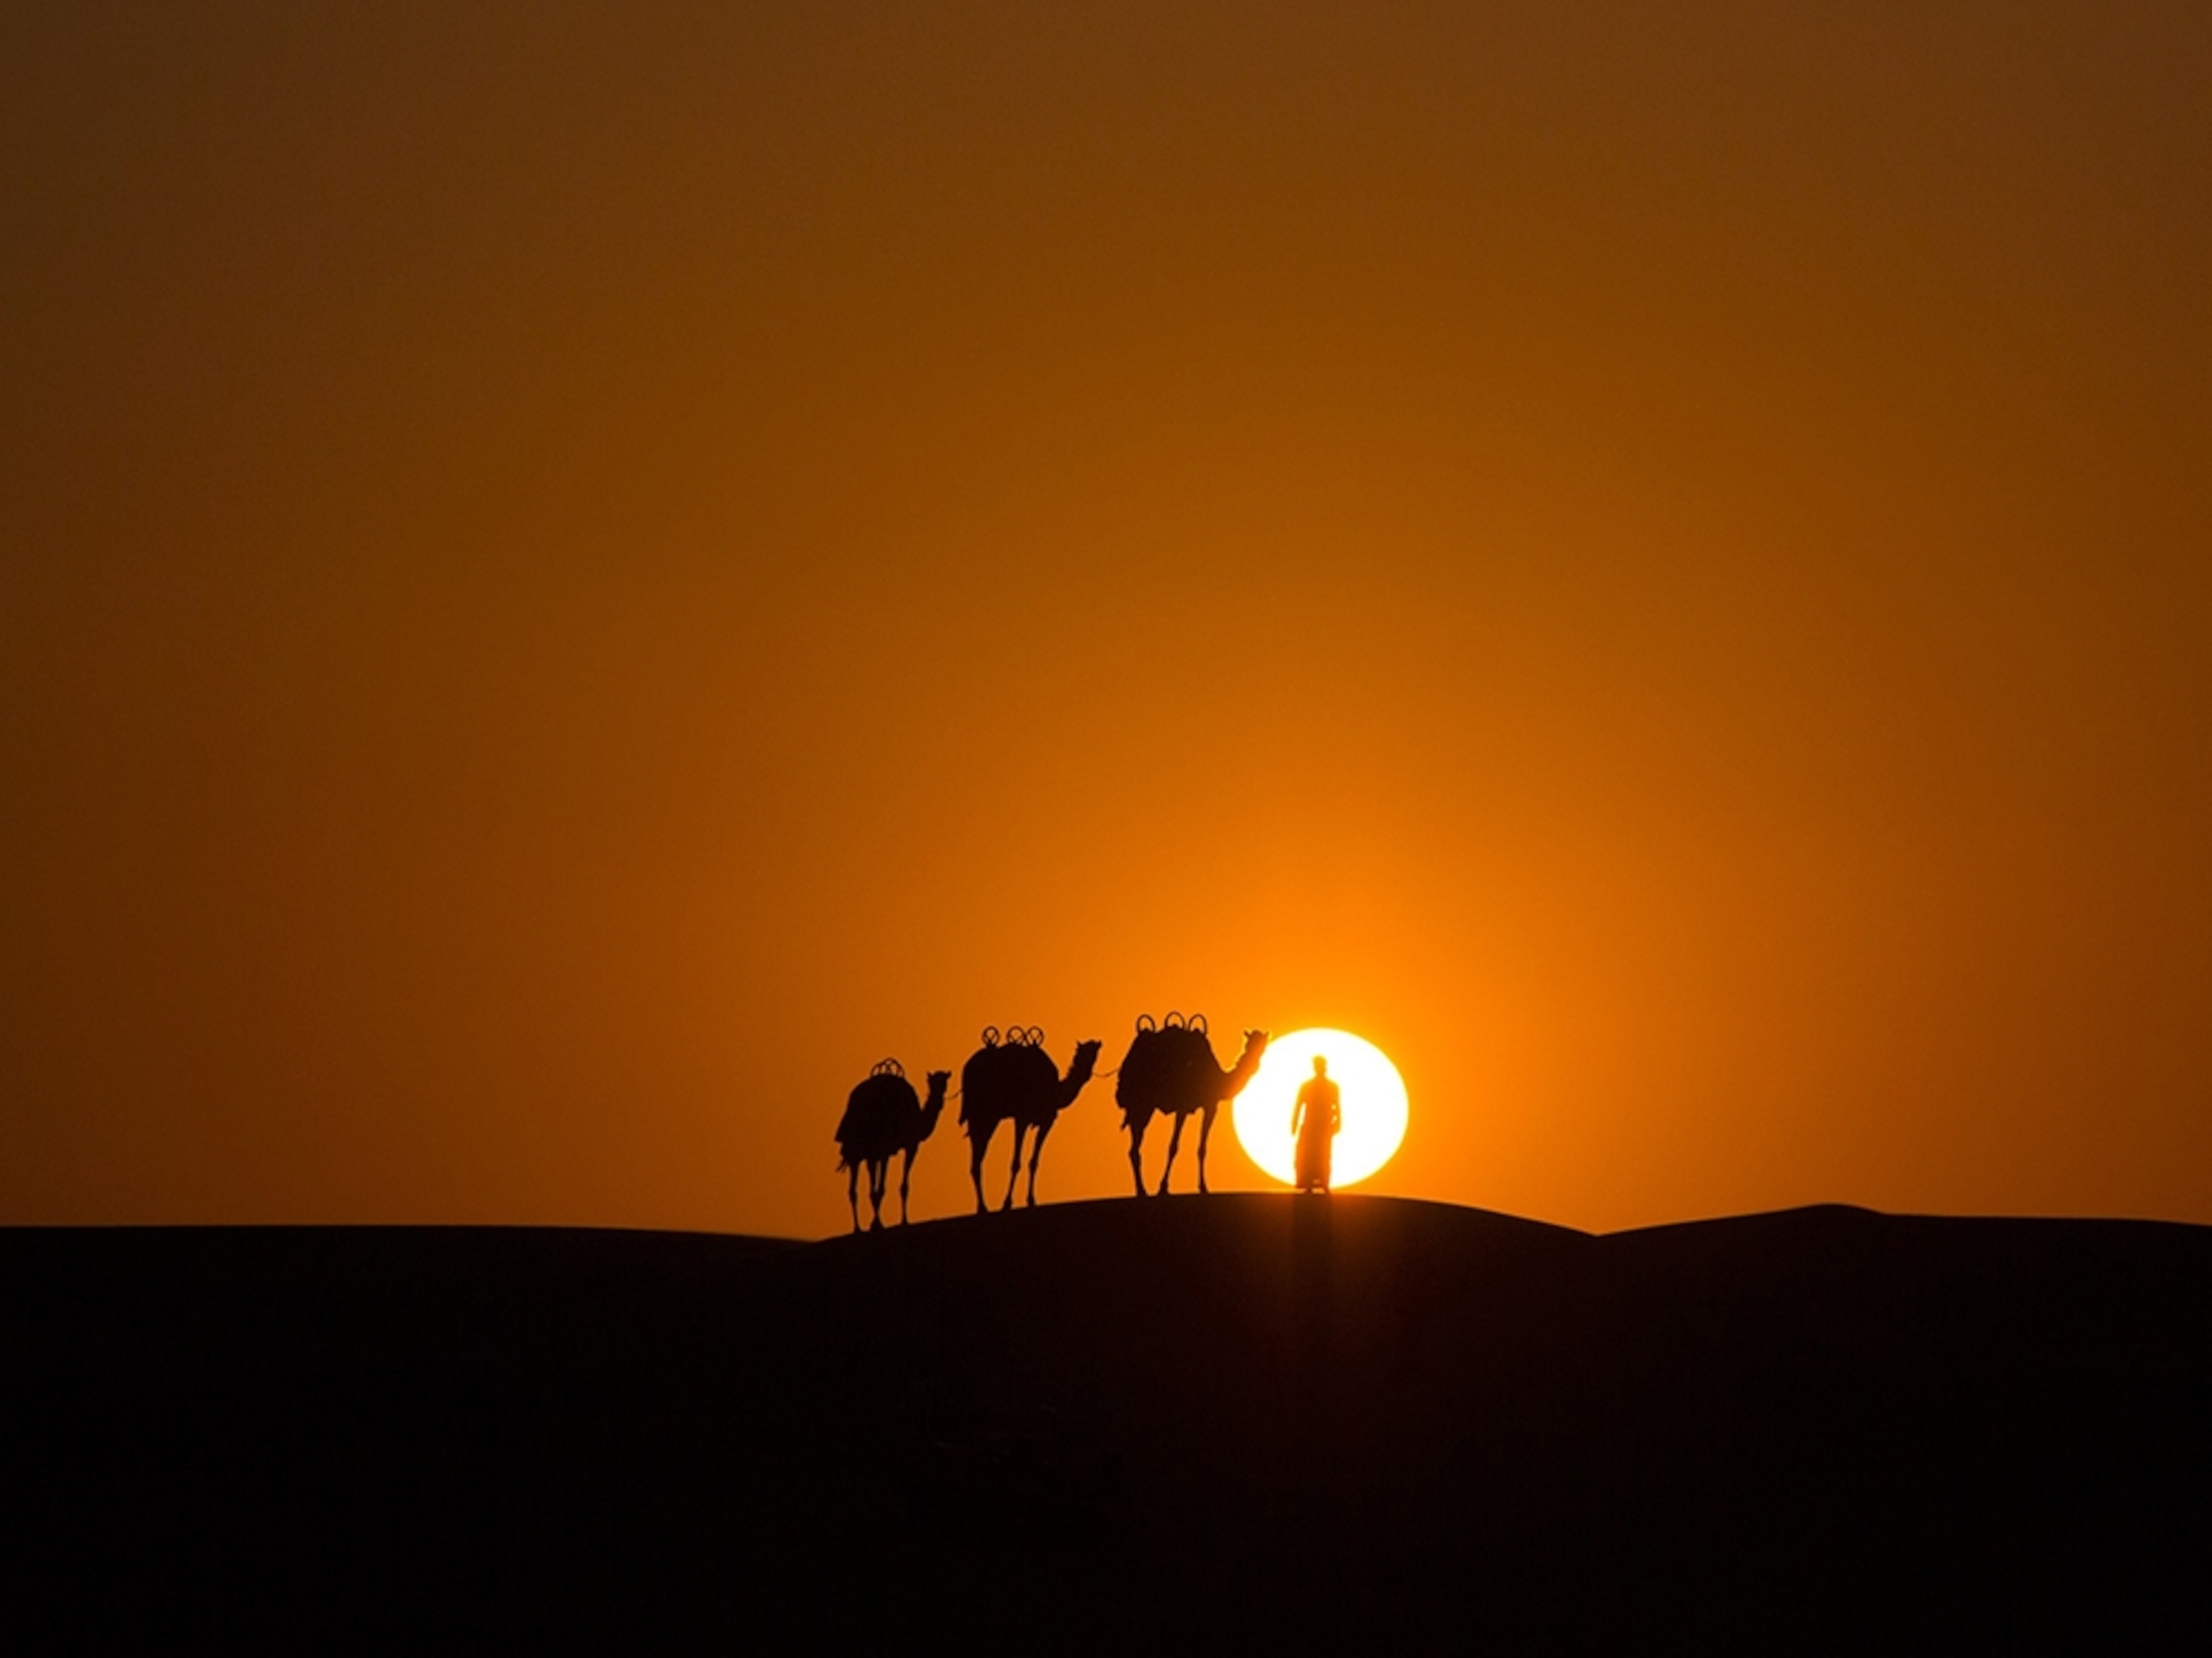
1314 1119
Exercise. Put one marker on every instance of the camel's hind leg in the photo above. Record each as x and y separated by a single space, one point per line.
1175 1144
853 1191
1037 1151
906 1178
1014 1173
1204 1133
1137 1128
879 1170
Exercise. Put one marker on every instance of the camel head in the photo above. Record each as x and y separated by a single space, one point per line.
1233 1081
1080 1070
934 1108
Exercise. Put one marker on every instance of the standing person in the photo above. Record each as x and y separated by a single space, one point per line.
1314 1119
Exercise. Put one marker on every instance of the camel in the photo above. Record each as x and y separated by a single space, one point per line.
1170 1068
1016 1079
882 1117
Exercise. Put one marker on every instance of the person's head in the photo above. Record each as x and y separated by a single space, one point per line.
1320 1064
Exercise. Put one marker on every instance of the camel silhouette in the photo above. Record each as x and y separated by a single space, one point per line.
1016 1079
1170 1068
883 1118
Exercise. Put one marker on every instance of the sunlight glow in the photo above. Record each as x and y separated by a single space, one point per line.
1374 1102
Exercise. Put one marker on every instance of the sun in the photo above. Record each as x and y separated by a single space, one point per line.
1374 1102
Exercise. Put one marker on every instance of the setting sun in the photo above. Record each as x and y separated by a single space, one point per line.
1373 1101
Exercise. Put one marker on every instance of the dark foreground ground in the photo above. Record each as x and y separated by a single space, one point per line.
1353 1422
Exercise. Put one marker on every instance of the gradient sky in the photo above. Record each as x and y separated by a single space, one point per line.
572 575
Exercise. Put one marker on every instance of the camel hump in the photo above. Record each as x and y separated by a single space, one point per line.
1031 1065
982 1064
873 1110
1160 1062
997 1080
1186 1044
888 1086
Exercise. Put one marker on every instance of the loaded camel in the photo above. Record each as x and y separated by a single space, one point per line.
883 1118
1015 1079
1170 1068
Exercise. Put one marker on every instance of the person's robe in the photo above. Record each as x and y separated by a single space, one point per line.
1320 1115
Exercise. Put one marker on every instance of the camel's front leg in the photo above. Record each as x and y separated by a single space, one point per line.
879 1170
1174 1143
977 1145
906 1178
1137 1152
1037 1151
1014 1174
853 1193
1204 1133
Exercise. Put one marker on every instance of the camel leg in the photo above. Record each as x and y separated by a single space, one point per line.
976 1148
906 1178
1037 1151
1174 1143
1137 1152
1015 1173
879 1170
1204 1133
853 1193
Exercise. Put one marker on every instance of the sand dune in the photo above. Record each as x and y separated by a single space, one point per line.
1230 1419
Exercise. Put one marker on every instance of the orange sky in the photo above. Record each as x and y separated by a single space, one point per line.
570 576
